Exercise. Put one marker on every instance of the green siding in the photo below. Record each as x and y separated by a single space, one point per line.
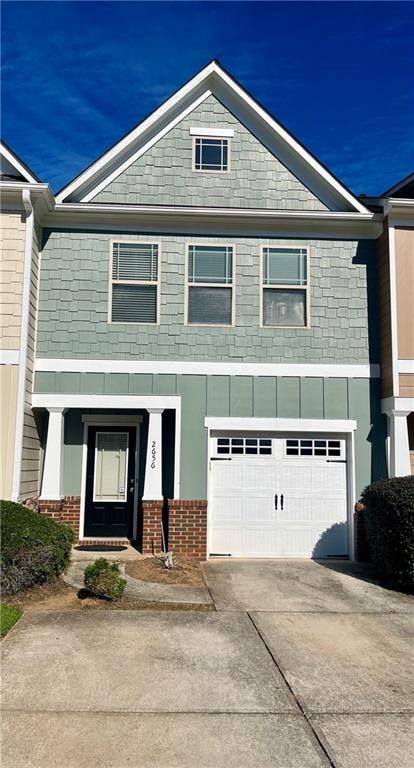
311 398
336 398
256 177
73 313
264 397
288 397
210 396
241 396
218 395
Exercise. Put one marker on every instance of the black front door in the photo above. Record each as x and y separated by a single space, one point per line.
110 482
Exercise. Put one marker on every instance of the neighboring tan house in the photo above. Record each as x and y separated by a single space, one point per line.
207 339
23 198
396 268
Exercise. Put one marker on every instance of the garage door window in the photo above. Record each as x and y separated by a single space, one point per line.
317 447
244 446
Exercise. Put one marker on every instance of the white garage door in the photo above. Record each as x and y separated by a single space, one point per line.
274 497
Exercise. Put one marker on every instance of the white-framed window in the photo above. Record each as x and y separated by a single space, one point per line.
285 299
316 447
210 284
244 446
134 283
211 153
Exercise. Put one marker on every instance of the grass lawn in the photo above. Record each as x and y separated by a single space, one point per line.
9 614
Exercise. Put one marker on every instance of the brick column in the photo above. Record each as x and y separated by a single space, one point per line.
187 528
65 511
151 526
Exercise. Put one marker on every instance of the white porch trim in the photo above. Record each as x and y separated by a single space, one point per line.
52 483
240 423
153 465
397 409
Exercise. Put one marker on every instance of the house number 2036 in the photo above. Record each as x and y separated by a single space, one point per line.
153 454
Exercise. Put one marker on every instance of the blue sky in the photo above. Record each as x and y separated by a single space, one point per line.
76 76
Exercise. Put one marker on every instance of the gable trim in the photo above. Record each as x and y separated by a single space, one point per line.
117 172
211 74
18 164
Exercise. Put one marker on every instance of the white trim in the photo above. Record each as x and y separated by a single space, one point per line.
406 366
232 285
393 311
177 450
24 339
52 481
306 287
91 420
207 368
156 283
104 401
220 133
15 162
258 424
112 176
212 75
397 404
345 427
9 356
110 420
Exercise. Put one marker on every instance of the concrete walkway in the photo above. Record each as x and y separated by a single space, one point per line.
144 590
272 678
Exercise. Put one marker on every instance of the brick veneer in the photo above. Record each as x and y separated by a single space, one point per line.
152 515
187 528
67 511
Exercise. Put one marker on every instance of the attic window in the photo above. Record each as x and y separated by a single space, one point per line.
211 153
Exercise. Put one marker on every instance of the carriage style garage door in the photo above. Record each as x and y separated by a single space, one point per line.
278 497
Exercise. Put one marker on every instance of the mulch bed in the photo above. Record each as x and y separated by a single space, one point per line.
152 569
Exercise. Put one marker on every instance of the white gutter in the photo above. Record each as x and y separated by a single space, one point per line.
162 210
24 337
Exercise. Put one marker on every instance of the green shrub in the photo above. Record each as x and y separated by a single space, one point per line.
9 614
389 519
102 579
34 549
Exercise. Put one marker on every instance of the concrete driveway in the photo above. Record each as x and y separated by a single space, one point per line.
300 666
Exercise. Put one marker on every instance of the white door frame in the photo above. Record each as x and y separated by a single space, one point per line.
109 421
344 428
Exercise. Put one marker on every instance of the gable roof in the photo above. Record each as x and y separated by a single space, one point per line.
403 188
12 168
212 79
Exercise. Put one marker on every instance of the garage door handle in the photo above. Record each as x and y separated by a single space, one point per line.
281 502
276 501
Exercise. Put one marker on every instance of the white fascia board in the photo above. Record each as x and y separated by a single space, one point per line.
200 367
240 423
9 356
14 161
208 73
123 167
175 210
298 148
215 132
406 366
104 401
131 137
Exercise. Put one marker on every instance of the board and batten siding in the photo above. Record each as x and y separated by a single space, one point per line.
201 396
164 174
73 304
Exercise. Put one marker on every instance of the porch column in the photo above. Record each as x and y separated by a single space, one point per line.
153 467
399 447
52 485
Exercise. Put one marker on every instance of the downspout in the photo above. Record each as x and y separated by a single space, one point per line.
24 338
